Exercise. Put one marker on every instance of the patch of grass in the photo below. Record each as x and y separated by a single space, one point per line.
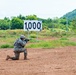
52 44
7 38
64 38
33 35
6 46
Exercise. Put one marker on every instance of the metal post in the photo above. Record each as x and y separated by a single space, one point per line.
28 34
37 36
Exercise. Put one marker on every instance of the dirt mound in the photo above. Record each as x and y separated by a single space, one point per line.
59 61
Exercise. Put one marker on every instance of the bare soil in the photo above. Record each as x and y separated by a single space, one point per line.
59 61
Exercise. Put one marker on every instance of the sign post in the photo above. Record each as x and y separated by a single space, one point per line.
32 25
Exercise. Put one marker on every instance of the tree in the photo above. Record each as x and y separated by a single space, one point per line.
4 24
7 19
63 21
21 17
31 17
74 24
16 23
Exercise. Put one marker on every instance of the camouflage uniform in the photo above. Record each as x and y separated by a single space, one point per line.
18 48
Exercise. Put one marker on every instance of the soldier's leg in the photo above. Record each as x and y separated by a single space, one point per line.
25 52
17 54
14 58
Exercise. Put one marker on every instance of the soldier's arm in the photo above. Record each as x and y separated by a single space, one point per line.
22 43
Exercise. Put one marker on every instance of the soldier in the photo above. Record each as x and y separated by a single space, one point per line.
19 47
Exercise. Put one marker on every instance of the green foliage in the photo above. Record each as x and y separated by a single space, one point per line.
58 27
6 46
33 35
68 21
70 15
74 24
52 44
4 24
64 38
7 38
16 23
21 17
63 21
31 17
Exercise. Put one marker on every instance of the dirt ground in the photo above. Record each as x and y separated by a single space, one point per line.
59 61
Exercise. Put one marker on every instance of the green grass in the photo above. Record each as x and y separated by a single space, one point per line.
7 38
6 46
52 44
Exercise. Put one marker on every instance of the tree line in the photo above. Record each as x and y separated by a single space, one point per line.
18 22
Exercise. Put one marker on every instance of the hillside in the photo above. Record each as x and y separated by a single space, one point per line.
70 15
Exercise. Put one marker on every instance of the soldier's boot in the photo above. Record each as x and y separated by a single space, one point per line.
8 57
25 56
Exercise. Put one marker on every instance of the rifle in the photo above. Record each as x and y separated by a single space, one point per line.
26 40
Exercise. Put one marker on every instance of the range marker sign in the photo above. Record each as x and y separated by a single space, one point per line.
32 25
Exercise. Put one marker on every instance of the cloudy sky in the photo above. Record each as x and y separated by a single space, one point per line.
41 8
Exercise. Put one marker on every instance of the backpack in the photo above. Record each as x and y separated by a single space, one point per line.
16 42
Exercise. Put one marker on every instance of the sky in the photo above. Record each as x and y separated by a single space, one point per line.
41 8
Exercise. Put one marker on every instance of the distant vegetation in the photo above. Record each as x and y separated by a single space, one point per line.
67 22
70 15
62 28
